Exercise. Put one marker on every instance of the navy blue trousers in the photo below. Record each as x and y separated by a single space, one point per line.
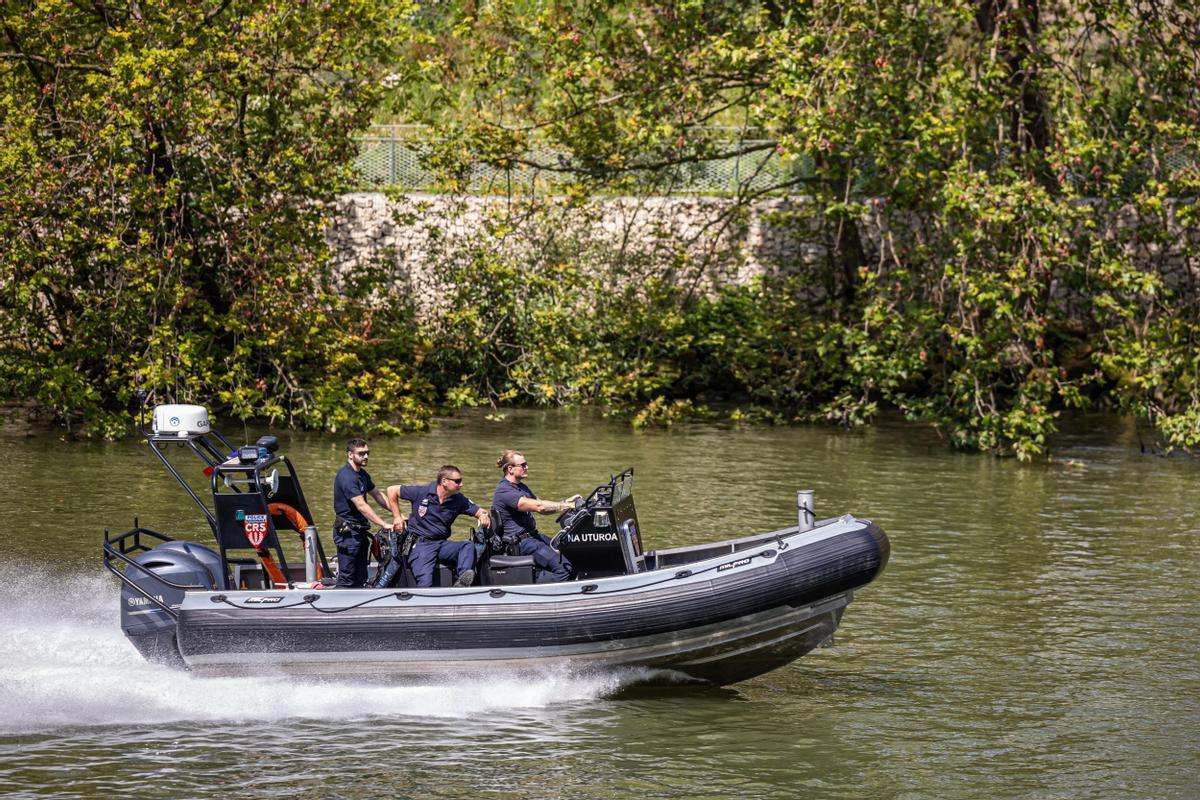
353 553
553 567
426 555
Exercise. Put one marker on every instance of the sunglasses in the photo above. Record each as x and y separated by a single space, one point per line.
457 481
522 464
362 452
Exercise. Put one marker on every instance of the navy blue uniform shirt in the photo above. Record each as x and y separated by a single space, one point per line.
505 500
431 519
347 484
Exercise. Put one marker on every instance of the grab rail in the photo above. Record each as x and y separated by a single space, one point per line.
110 553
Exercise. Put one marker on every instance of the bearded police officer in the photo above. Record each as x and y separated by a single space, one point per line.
435 506
514 503
352 516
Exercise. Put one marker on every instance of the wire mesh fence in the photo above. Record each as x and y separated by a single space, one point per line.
393 155
398 156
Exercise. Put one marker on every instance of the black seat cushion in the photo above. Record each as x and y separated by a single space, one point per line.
504 562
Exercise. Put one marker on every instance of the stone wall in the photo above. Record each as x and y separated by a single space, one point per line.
704 240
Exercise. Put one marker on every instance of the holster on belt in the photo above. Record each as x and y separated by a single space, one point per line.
344 527
512 542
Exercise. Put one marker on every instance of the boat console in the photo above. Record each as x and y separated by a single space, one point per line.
601 536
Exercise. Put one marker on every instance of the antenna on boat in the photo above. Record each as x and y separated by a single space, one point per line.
140 396
805 513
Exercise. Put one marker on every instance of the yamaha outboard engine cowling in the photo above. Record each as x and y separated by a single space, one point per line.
165 574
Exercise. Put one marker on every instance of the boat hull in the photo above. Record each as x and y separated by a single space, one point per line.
760 605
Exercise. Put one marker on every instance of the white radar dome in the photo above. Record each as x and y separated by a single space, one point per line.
180 420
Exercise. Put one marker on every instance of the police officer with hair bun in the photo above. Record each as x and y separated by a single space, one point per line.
515 503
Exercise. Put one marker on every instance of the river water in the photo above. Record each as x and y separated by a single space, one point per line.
1035 634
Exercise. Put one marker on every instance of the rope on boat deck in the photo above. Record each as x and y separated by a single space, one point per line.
587 588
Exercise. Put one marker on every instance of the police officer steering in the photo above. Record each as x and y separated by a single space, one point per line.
515 503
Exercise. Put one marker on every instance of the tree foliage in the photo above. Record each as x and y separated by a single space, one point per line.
990 142
166 171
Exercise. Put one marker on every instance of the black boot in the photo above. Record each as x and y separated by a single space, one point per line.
389 574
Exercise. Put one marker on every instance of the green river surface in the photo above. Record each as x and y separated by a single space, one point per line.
1035 635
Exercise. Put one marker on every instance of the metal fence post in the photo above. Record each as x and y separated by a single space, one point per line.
392 157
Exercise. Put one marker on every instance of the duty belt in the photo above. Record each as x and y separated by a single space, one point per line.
515 538
341 525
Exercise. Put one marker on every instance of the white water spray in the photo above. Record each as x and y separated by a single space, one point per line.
64 662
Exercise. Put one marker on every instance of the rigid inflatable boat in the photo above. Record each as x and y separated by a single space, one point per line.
720 612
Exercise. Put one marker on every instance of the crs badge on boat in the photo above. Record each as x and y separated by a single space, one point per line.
256 528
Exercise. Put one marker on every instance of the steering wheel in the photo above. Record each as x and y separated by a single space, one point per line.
565 519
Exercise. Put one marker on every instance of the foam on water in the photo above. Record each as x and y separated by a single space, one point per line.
64 662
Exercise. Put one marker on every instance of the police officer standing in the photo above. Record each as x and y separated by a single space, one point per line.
514 503
353 517
435 506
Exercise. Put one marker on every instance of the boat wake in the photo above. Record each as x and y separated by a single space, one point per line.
65 663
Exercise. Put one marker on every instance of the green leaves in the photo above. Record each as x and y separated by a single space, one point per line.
165 169
971 163
987 201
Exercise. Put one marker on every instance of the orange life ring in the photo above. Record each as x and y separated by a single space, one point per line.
290 514
272 569
298 522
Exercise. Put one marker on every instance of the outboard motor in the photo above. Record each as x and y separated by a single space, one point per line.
164 574
204 555
255 490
